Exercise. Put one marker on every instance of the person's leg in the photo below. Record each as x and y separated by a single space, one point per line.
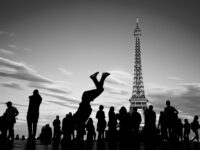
94 79
103 77
197 136
11 131
54 132
4 133
29 123
34 128
92 94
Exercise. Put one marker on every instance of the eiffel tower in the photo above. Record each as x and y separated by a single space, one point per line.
138 98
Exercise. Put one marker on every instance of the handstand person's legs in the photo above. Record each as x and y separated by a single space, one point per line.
92 94
84 110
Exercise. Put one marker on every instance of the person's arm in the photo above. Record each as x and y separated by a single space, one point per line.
17 112
175 110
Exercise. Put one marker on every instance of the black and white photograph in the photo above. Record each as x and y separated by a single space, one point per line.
99 75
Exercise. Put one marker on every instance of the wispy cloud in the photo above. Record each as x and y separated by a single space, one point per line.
64 98
22 72
118 77
15 104
185 97
51 88
12 46
6 33
118 83
16 47
174 78
64 104
116 91
65 72
13 85
6 52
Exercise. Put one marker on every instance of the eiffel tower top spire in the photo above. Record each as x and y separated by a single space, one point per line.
137 31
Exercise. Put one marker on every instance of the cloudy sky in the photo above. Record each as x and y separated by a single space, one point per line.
54 47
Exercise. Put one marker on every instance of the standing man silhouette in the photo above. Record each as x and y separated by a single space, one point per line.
10 114
33 113
171 118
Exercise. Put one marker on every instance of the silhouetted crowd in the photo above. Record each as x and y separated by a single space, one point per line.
124 128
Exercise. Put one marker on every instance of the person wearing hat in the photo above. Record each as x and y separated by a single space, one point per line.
10 119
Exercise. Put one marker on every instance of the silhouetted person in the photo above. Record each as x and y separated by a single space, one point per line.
195 126
68 128
150 119
33 113
101 124
80 132
112 129
162 126
112 124
186 128
23 137
17 137
150 128
179 130
171 119
84 110
124 128
65 128
2 128
42 136
56 128
91 134
48 134
10 119
135 120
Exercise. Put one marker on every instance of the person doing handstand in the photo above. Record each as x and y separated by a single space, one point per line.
83 113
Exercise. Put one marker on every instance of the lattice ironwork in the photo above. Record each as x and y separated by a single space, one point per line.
138 98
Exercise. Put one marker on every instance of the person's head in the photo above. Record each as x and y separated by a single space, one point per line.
196 117
9 104
57 117
185 120
101 107
150 107
35 92
168 103
112 109
123 110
